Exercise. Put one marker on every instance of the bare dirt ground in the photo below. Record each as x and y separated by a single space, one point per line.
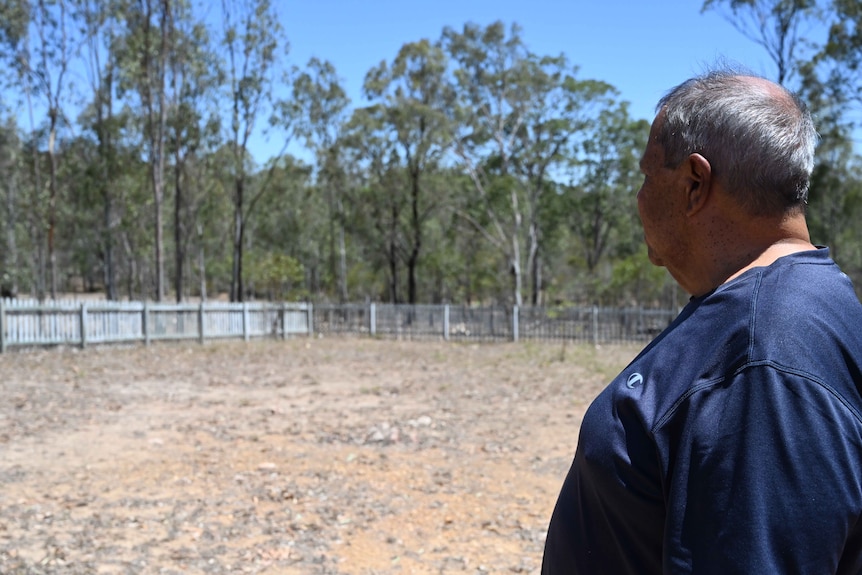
323 456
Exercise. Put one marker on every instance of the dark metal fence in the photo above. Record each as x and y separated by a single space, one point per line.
454 322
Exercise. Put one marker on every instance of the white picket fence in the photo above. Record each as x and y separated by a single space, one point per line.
30 323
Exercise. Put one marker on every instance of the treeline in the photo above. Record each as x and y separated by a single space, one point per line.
474 171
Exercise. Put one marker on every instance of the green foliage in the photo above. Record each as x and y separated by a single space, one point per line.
519 119
828 75
404 135
776 25
477 171
251 40
601 204
278 276
635 279
14 21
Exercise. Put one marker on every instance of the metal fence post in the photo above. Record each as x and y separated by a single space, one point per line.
595 326
2 325
446 322
145 323
372 318
83 320
310 312
515 323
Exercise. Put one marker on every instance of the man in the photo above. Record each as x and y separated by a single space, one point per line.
733 442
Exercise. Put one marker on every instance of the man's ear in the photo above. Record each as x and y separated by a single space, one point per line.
699 183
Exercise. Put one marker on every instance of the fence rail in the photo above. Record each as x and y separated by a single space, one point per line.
29 323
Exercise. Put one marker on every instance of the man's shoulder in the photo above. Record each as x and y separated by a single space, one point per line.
808 317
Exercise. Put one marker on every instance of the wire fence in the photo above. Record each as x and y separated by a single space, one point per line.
30 323
585 324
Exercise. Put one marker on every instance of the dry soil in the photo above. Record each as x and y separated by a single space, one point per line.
324 456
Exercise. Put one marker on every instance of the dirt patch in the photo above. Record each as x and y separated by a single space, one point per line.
301 457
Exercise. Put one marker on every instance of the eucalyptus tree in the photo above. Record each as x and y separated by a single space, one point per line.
779 26
834 89
143 52
288 232
14 22
378 199
252 44
135 221
319 109
841 55
600 207
100 24
55 49
458 265
213 225
81 232
192 128
40 41
567 119
10 160
414 97
491 107
15 18
835 201
517 118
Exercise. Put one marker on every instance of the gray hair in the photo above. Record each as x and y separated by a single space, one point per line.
758 138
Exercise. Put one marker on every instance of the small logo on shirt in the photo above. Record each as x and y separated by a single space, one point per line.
634 380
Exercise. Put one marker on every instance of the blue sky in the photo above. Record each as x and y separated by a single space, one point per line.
642 47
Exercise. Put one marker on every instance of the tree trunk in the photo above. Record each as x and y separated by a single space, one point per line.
342 248
533 264
333 270
108 246
342 260
158 197
517 272
236 283
52 201
35 218
11 217
202 264
160 156
393 254
536 278
106 153
178 226
517 275
153 90
413 260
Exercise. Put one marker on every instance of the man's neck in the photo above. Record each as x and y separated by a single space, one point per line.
755 243
778 249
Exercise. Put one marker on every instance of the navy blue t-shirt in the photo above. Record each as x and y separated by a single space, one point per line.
732 443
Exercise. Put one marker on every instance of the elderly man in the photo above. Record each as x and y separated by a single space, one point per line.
733 442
